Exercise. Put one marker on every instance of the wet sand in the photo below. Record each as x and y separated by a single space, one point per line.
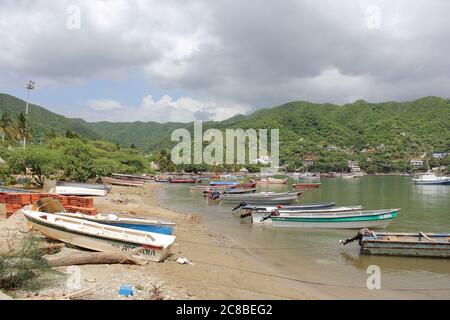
218 271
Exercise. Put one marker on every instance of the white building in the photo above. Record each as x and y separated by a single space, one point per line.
416 162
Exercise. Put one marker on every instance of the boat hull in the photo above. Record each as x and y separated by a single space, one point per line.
96 243
143 227
433 245
76 191
355 221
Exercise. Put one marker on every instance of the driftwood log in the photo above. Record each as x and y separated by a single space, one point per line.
81 258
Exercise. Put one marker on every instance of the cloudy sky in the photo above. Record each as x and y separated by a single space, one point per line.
127 60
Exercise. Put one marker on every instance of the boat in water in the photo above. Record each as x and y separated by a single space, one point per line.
307 176
334 220
270 180
182 181
305 185
431 179
269 198
419 244
100 237
224 183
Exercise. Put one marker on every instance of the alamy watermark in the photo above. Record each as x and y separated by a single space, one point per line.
374 280
248 146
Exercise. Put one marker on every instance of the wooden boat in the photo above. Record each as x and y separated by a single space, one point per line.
306 206
223 183
228 191
100 237
435 245
79 189
335 220
162 180
305 185
248 185
262 215
307 176
261 198
120 182
130 177
182 180
270 180
431 179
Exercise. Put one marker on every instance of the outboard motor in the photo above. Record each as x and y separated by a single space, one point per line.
240 205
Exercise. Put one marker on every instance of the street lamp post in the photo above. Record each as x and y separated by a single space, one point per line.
29 87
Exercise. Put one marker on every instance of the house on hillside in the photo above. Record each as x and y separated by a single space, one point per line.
416 163
308 161
439 155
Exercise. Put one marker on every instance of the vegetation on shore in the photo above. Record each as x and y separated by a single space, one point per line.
382 137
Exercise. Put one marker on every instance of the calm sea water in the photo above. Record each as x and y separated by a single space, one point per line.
309 255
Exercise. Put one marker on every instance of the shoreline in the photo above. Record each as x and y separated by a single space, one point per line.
218 270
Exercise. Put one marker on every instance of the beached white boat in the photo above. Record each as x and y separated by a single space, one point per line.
78 191
100 237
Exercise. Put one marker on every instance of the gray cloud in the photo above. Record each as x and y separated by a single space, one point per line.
237 54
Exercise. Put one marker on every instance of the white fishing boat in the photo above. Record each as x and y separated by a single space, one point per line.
100 237
431 179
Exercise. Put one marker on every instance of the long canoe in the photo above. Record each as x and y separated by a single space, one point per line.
260 198
336 220
100 237
305 185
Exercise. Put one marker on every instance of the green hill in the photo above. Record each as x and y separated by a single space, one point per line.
43 121
386 132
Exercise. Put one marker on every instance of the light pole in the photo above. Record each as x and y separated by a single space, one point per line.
30 86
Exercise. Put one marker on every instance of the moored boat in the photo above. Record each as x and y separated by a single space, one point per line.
335 220
271 180
100 237
419 244
182 180
306 185
223 183
261 198
431 179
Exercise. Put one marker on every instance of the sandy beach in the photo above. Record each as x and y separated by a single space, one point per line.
218 271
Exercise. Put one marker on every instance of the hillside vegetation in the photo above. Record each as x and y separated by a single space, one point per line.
383 137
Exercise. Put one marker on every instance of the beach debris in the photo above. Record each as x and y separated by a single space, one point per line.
126 290
184 261
76 257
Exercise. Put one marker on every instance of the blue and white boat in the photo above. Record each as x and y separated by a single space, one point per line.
148 225
431 179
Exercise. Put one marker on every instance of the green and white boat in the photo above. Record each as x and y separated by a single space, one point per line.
335 220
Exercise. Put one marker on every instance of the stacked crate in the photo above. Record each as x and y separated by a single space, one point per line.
16 201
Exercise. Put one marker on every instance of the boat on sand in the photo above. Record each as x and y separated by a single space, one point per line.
100 237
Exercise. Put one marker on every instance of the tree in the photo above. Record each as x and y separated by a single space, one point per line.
22 130
5 124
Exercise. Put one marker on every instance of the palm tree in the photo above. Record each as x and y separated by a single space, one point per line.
5 123
22 130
